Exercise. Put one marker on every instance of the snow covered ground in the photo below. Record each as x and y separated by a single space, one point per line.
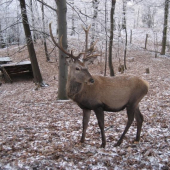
39 132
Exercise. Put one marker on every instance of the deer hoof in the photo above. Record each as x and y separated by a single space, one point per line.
81 141
117 144
102 145
136 142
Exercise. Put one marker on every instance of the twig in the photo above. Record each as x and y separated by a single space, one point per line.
18 50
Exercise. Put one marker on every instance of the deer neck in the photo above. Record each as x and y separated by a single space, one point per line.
73 88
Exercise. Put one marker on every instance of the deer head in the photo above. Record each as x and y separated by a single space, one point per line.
78 66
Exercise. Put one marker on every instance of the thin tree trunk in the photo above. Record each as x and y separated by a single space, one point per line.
105 68
146 41
124 27
164 37
18 31
7 32
30 46
124 15
111 37
62 30
44 37
73 20
1 37
95 6
125 50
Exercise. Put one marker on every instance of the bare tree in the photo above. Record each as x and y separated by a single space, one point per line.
124 27
124 14
36 71
105 68
111 37
44 36
73 20
95 6
164 36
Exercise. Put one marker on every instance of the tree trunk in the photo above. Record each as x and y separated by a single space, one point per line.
111 37
105 67
33 22
73 20
125 50
95 6
62 30
164 37
125 28
44 36
124 14
30 46
1 38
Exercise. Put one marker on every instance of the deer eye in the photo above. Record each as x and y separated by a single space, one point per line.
77 68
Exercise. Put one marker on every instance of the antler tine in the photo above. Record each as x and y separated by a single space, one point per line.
61 46
70 55
88 57
86 29
86 39
91 49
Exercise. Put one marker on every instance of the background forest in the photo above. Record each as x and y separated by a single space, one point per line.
37 131
137 16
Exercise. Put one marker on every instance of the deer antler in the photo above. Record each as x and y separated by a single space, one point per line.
86 30
90 50
61 47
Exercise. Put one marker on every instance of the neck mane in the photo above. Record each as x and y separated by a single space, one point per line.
73 88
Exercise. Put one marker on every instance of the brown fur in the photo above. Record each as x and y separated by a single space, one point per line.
106 94
114 92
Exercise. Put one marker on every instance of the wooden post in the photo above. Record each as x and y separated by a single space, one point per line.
6 76
130 36
146 40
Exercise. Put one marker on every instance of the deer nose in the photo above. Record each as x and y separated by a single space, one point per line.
91 80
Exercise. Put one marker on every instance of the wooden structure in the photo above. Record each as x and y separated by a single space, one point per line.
11 70
5 60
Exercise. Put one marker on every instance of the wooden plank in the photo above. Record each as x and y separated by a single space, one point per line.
4 60
16 64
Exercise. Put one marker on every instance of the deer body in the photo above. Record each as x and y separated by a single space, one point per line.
101 94
112 94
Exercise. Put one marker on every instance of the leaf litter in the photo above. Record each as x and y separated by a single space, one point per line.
37 131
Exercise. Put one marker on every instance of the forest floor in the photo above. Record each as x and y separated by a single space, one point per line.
38 132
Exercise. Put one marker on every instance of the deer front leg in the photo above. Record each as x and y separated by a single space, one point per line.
100 117
86 117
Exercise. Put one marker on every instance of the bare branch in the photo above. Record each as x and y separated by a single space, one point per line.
47 5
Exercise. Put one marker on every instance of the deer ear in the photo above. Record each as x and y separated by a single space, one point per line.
89 60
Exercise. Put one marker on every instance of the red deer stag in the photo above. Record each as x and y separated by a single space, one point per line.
98 93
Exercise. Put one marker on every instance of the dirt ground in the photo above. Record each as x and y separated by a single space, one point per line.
37 131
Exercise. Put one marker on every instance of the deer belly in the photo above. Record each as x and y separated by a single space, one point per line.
113 109
89 104
115 104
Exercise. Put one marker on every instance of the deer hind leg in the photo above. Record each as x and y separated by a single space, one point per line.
100 117
86 117
139 120
130 114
